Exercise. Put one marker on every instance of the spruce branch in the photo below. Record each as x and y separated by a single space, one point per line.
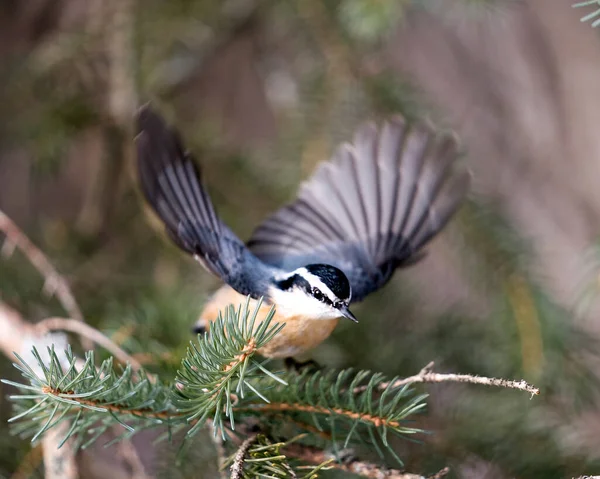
19 335
313 455
85 331
220 367
90 397
330 402
237 468
213 383
220 377
258 456
592 15
426 375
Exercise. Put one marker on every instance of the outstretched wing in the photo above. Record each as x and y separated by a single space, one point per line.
171 183
371 208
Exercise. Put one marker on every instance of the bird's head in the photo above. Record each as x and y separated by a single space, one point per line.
318 291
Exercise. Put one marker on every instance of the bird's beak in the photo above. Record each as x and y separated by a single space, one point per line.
346 313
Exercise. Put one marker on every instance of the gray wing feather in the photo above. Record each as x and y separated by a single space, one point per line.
371 208
172 185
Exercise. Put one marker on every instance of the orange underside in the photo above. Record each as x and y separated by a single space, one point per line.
298 335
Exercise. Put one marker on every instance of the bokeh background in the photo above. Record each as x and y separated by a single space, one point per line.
264 90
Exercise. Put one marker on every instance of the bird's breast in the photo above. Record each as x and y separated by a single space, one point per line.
299 334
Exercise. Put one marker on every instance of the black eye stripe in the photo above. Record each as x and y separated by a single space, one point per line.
333 278
297 281
318 294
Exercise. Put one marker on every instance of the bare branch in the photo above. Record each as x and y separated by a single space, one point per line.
237 468
369 470
440 474
130 456
86 331
19 336
54 283
15 331
59 463
427 376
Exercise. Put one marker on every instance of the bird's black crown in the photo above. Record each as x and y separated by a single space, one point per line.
334 278
330 276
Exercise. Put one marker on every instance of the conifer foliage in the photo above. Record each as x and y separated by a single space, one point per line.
223 382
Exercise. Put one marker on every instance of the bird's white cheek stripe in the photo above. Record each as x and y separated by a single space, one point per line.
315 281
297 302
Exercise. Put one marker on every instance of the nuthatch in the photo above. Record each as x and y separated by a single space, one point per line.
367 211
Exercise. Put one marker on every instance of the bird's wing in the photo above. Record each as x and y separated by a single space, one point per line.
371 208
172 185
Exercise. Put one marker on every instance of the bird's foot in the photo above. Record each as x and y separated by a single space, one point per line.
199 327
292 364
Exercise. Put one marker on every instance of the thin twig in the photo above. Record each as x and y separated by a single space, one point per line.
440 474
276 407
427 376
54 283
369 470
86 331
237 468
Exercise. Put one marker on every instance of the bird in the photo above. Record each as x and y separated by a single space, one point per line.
367 211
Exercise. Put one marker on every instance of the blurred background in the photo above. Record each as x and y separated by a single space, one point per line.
263 91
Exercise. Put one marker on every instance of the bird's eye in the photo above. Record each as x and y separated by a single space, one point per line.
317 294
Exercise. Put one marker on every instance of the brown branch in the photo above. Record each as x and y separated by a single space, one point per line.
440 474
59 463
18 336
15 331
237 468
116 408
276 407
427 376
316 456
54 283
281 406
130 456
248 350
86 331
